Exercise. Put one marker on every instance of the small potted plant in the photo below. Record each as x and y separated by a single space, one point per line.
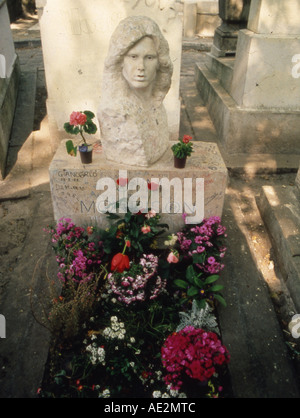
81 122
182 150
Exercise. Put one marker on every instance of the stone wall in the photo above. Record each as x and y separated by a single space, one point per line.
9 79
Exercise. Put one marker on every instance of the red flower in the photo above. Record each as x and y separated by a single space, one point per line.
186 139
120 262
128 243
89 230
122 181
77 118
153 186
146 229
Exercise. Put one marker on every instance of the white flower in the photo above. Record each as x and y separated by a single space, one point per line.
156 394
132 339
105 394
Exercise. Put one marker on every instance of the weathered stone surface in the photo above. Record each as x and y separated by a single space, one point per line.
248 131
75 38
280 211
9 79
75 194
263 71
274 17
258 112
136 78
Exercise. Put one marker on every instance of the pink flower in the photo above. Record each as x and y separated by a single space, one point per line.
122 181
150 214
145 229
172 258
77 118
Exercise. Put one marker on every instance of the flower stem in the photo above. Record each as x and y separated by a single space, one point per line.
82 135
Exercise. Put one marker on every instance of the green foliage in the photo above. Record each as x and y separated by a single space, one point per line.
129 229
200 288
199 318
88 127
181 149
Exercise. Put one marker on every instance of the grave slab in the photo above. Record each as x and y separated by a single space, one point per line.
280 211
75 195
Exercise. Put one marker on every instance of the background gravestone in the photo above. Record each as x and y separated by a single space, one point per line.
75 38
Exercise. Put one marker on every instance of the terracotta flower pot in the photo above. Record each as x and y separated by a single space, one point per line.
179 162
86 153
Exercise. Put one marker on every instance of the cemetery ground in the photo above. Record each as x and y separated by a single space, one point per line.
265 357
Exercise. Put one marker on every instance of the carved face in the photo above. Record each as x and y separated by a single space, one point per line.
141 64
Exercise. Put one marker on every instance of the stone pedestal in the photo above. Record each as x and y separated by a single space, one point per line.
280 210
77 190
234 14
75 38
254 104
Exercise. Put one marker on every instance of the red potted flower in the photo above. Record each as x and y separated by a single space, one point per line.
81 122
120 263
182 150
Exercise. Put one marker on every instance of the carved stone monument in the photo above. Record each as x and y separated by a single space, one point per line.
75 37
253 98
136 136
136 79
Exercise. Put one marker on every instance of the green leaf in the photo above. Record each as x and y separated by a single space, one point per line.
89 114
211 279
216 288
70 148
193 291
190 274
221 300
181 283
198 282
201 303
127 217
198 258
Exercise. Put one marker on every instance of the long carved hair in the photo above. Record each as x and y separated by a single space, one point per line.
127 34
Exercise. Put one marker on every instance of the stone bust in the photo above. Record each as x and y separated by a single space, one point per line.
136 78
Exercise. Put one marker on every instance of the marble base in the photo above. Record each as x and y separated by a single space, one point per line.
75 195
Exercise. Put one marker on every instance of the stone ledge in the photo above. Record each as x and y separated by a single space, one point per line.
280 211
247 131
74 192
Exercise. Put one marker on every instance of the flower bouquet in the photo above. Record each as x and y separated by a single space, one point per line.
81 122
139 283
182 150
193 353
